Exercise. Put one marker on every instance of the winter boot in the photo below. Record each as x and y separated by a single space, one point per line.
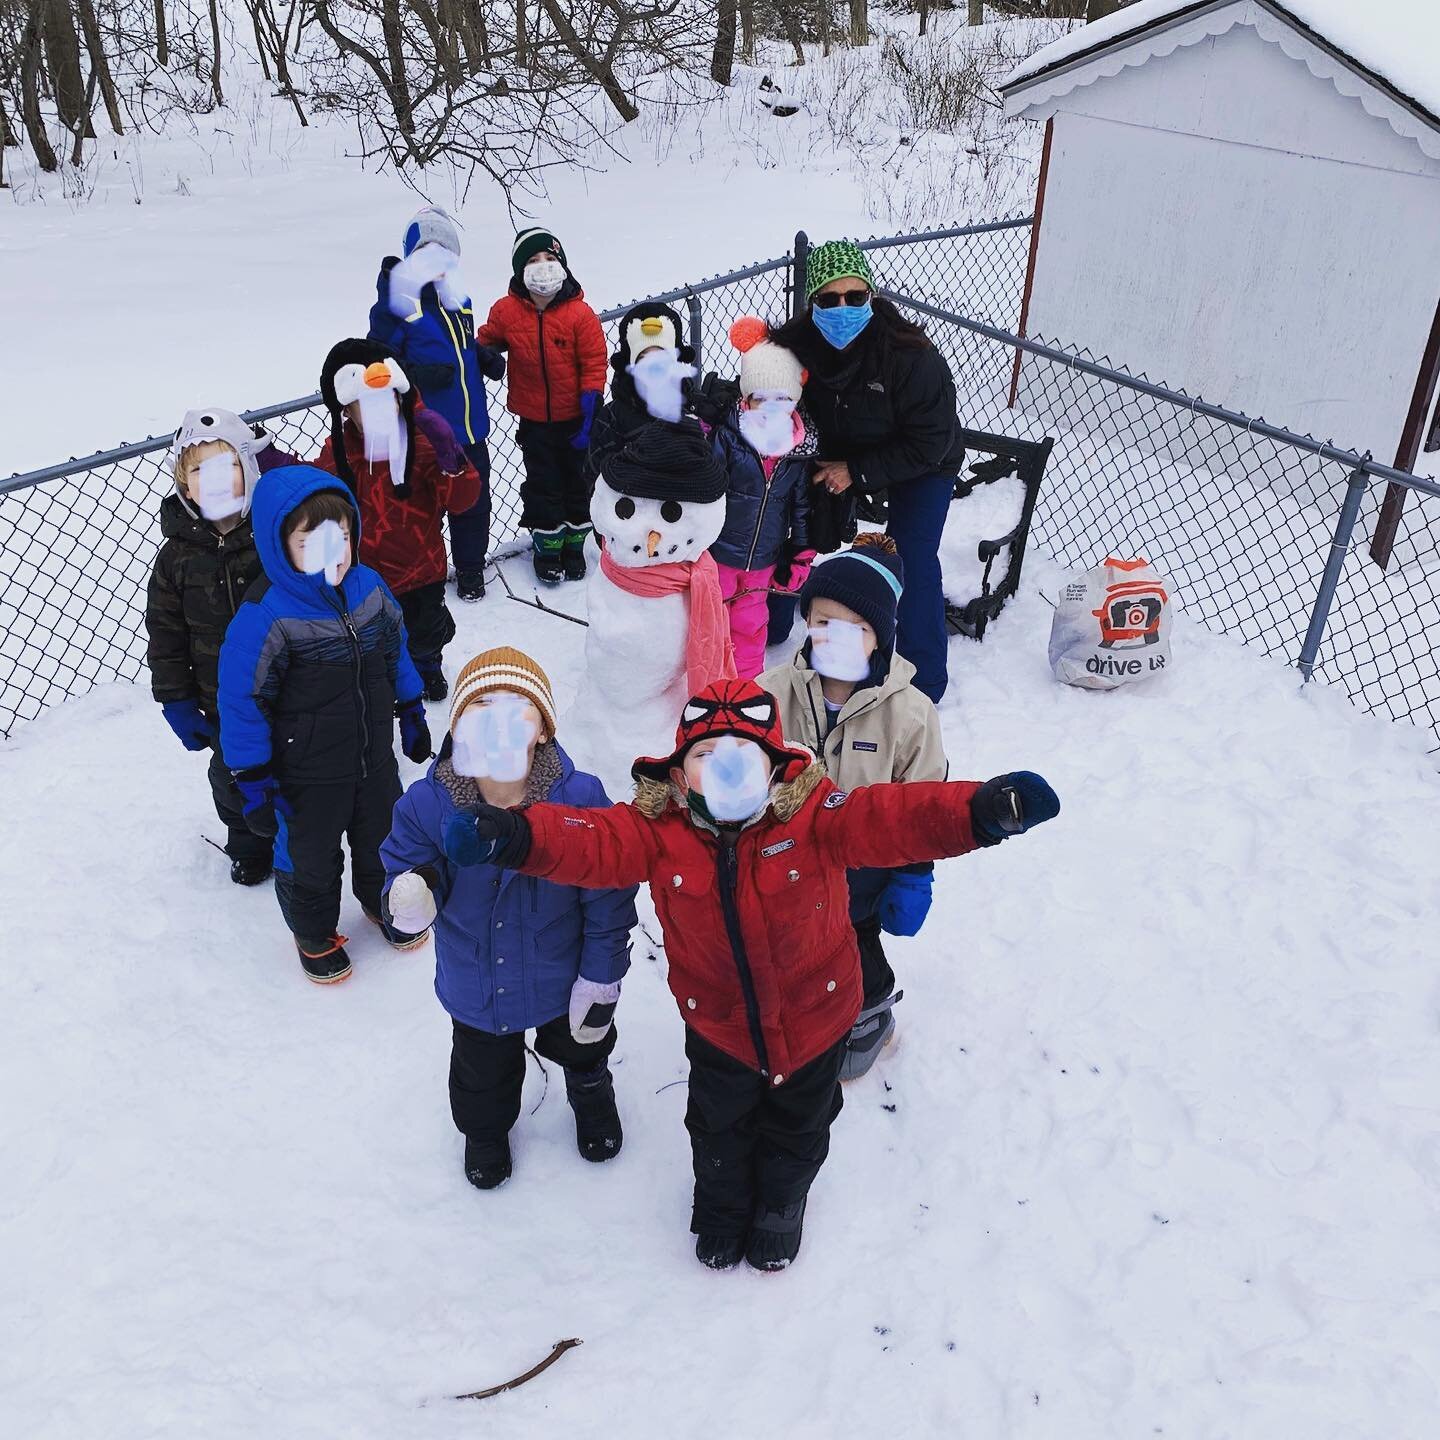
470 584
397 939
573 559
549 546
719 1252
324 961
775 1236
871 1033
591 1094
432 676
487 1162
250 872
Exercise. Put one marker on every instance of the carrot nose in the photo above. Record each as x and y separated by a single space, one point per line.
377 375
652 544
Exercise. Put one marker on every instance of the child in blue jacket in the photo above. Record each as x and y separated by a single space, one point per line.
424 316
314 670
512 953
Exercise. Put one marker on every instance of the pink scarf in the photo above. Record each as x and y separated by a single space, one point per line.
709 654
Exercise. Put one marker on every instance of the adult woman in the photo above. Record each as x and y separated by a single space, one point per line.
883 400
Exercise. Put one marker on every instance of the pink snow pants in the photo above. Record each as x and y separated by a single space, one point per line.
746 597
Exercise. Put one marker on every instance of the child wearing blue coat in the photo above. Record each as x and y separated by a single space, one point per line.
512 953
314 672
424 316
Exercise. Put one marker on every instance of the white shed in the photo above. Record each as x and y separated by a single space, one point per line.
1242 198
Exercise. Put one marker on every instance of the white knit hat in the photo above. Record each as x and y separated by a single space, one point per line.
765 367
505 668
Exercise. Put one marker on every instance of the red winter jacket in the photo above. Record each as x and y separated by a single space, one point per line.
556 354
791 987
401 538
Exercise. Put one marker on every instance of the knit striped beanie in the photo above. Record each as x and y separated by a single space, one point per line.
507 669
528 244
836 260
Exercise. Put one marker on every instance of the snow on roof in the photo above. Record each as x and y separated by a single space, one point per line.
1396 40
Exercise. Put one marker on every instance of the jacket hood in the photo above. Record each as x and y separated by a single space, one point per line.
654 797
280 492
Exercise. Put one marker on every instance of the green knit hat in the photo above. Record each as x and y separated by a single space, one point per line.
528 244
836 260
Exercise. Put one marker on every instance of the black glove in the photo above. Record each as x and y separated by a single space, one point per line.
1010 805
264 806
488 836
414 730
490 361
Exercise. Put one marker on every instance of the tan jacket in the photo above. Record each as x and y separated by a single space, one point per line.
885 732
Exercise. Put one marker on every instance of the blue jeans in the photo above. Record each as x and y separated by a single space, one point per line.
917 517
470 529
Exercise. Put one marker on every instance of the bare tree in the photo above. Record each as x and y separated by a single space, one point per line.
162 37
859 22
99 64
31 115
62 65
747 31
976 16
722 57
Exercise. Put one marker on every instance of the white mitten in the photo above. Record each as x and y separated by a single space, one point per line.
592 1010
412 906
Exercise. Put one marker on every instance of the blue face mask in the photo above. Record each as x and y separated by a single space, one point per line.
842 323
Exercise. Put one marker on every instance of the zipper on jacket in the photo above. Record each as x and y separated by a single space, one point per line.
225 571
359 686
760 519
728 865
460 366
544 369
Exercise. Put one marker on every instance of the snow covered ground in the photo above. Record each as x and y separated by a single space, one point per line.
1157 1151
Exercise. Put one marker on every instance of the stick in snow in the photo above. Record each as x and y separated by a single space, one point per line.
538 604
561 1346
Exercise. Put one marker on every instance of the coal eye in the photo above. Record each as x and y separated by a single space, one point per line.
671 511
624 507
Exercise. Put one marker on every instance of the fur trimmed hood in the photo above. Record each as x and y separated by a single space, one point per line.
654 797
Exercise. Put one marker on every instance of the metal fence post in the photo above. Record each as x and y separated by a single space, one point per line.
1334 565
697 330
799 264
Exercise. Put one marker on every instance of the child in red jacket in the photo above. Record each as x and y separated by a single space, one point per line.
557 372
745 844
406 470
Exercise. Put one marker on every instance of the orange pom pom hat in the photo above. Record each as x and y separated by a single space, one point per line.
766 369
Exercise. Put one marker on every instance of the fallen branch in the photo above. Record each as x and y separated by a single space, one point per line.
561 1346
538 604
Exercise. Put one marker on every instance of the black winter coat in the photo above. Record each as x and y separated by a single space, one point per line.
763 518
886 409
200 579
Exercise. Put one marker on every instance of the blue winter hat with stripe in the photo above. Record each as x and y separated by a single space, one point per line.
867 579
432 226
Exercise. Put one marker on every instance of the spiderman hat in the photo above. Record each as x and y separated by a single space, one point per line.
730 707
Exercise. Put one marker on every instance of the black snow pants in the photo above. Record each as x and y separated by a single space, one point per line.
753 1142
555 491
241 843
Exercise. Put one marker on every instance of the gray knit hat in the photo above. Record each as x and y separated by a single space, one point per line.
432 226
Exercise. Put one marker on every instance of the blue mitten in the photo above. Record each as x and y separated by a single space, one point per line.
589 403
905 903
1010 805
489 836
264 805
195 729
414 730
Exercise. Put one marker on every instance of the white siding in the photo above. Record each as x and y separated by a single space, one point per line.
1203 225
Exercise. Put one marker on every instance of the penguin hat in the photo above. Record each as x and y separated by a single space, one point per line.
358 370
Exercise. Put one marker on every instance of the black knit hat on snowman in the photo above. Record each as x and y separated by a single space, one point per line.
528 244
351 365
868 579
665 461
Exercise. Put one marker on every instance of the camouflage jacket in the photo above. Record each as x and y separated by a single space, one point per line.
200 579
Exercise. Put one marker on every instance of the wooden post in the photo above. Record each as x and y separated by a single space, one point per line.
1034 251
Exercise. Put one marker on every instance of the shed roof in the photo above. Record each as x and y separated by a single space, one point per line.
1393 43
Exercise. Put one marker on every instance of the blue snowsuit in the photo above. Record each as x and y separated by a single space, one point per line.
508 947
309 678
436 348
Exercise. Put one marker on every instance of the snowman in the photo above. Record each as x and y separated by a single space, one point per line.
659 631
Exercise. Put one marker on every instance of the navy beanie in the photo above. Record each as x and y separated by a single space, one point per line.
867 579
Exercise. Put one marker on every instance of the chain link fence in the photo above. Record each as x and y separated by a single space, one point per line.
1262 533
78 539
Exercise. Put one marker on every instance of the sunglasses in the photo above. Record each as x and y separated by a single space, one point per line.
755 710
842 297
